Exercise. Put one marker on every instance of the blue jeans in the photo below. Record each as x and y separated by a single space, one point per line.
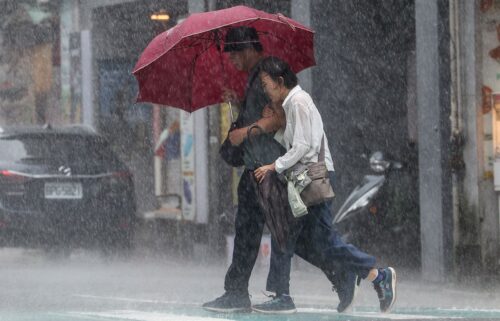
315 240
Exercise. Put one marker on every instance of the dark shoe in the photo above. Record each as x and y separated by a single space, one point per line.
346 284
230 302
282 304
386 289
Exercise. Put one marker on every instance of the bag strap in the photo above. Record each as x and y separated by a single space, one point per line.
321 157
250 142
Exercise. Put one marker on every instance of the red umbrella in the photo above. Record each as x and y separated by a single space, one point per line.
184 67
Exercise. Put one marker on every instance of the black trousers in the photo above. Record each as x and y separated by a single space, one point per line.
249 224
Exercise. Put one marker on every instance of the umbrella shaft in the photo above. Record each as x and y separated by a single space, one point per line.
231 112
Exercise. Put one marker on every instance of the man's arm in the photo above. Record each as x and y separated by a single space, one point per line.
273 118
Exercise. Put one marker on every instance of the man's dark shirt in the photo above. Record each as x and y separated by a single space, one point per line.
262 149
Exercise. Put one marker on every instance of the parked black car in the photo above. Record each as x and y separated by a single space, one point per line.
63 187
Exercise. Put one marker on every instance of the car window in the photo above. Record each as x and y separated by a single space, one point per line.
71 148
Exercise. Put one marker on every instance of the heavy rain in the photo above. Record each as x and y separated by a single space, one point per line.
177 160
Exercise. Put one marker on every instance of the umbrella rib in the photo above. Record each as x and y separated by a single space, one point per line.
192 45
175 48
201 41
191 74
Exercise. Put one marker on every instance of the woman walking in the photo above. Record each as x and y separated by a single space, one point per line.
304 139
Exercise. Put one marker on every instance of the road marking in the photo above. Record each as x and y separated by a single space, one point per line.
373 315
114 298
158 316
397 316
469 310
359 312
145 316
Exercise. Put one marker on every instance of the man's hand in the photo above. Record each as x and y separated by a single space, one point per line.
261 172
237 136
229 96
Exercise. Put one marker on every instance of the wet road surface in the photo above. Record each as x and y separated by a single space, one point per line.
88 286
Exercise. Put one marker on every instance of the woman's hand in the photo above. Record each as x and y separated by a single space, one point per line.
267 112
261 172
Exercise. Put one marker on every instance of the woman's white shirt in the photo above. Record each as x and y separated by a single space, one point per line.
303 132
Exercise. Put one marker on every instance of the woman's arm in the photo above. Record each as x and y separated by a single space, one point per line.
302 137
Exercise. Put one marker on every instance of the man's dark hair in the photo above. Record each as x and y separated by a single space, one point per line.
275 68
239 38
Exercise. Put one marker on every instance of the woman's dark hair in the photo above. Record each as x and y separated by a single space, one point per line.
275 68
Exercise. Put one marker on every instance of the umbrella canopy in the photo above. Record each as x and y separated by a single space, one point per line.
185 67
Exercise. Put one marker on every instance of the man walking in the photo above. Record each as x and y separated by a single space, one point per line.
245 52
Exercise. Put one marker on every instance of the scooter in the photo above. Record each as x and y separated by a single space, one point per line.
349 219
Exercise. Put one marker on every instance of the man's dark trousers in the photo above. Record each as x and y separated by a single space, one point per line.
249 224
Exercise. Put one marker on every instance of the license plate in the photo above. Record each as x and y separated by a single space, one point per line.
63 190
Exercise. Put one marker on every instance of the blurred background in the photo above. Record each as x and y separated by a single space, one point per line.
416 80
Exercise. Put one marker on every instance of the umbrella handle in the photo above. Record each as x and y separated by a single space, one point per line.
252 127
250 153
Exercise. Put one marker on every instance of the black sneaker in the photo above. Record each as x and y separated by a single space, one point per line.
386 289
230 302
282 304
346 284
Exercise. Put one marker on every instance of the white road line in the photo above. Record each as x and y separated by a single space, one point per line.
469 310
374 315
157 316
145 316
168 317
113 298
398 316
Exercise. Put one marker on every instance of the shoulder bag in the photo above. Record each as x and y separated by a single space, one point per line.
231 154
319 189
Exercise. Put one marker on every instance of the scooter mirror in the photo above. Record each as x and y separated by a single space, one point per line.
378 163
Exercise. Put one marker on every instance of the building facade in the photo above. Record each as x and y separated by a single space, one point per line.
415 79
